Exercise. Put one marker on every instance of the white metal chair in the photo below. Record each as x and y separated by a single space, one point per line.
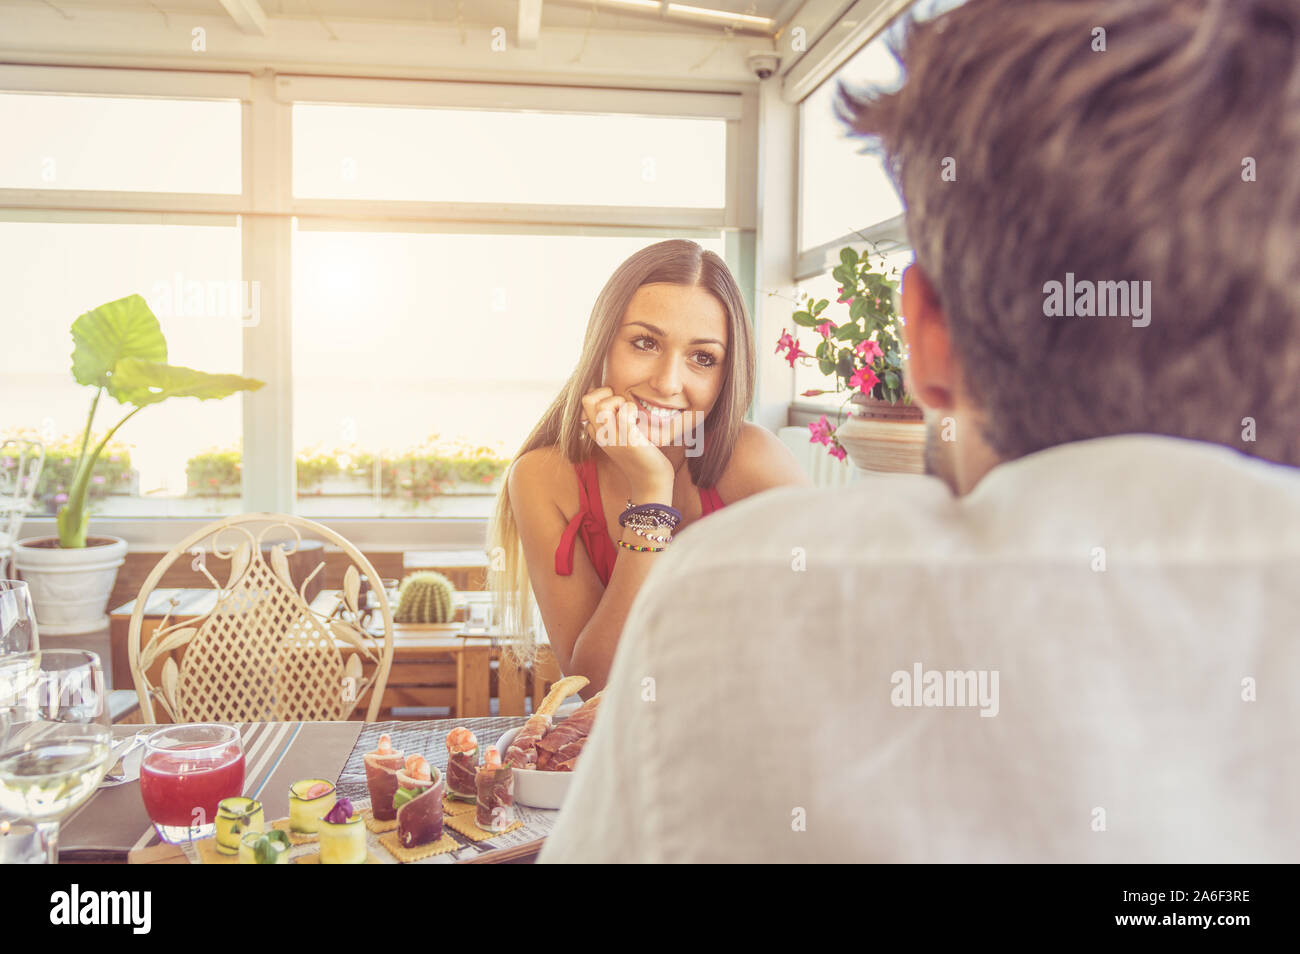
822 469
21 461
262 654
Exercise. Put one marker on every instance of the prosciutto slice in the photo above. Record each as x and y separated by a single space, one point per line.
495 810
381 780
523 750
558 750
419 821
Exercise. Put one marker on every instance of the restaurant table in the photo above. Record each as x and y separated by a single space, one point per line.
112 826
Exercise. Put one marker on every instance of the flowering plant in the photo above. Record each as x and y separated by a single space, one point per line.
864 352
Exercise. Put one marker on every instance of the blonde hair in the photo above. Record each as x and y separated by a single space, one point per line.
676 262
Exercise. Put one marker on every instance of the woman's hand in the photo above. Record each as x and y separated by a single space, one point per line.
612 423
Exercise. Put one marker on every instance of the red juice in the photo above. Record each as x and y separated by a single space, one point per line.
175 786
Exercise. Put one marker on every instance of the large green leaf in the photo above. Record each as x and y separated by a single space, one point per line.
125 328
148 382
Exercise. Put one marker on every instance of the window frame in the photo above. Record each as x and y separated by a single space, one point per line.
267 213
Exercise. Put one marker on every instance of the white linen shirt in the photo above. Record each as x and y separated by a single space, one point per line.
1138 598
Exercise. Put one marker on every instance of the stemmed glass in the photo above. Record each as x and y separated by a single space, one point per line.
17 619
56 736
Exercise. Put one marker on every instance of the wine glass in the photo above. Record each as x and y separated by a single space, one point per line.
57 738
17 619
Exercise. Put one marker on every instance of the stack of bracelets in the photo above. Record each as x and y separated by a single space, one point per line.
655 522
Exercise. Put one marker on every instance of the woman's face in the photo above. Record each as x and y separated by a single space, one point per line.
669 352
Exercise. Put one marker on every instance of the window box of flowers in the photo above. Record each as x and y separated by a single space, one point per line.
863 351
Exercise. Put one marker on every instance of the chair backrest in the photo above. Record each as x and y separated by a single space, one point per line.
21 461
822 469
263 653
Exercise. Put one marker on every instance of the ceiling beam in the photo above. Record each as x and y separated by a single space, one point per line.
248 16
530 23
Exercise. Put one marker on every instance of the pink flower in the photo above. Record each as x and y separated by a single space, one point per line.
795 354
97 479
785 341
864 379
838 451
868 350
825 328
813 393
844 299
820 430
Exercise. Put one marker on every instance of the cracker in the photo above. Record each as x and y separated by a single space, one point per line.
405 855
375 824
208 854
455 806
467 826
295 838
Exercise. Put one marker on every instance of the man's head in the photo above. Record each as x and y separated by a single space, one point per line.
1045 147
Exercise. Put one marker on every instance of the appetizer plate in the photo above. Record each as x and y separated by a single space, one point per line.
539 789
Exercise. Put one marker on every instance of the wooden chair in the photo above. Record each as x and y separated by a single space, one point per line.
262 654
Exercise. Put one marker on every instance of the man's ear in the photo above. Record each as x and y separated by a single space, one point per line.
930 373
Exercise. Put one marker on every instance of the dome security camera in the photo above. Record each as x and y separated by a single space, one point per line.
763 63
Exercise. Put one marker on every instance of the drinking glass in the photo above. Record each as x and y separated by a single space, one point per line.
17 619
187 770
56 737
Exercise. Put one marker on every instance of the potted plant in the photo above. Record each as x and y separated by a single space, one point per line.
119 348
863 350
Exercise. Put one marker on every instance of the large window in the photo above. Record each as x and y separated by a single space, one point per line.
409 265
65 254
463 155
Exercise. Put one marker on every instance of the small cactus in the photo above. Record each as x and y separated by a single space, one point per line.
425 598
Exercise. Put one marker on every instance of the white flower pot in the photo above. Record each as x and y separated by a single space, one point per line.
884 438
70 588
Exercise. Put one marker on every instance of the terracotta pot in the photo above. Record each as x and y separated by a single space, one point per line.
884 438
70 588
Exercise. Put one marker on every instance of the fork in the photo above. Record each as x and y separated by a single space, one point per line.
118 772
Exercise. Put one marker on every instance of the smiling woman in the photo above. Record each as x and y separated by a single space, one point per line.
653 416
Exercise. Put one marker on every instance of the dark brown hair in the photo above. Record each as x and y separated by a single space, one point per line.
1130 163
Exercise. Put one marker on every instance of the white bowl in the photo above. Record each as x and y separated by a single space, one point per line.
533 788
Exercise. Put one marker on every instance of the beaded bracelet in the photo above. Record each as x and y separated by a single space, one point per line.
662 512
633 546
642 532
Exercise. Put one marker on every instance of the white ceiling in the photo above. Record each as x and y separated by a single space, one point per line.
600 14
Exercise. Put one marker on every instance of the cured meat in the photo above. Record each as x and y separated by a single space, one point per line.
495 810
381 778
462 764
419 820
523 750
558 750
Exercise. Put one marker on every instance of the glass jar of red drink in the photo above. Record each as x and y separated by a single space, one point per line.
186 771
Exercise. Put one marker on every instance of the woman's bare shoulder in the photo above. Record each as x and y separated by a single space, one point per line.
543 474
759 461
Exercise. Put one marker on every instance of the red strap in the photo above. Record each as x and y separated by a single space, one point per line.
591 525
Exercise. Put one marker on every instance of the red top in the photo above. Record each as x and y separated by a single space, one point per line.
590 520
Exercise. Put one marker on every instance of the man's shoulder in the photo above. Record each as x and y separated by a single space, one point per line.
766 528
